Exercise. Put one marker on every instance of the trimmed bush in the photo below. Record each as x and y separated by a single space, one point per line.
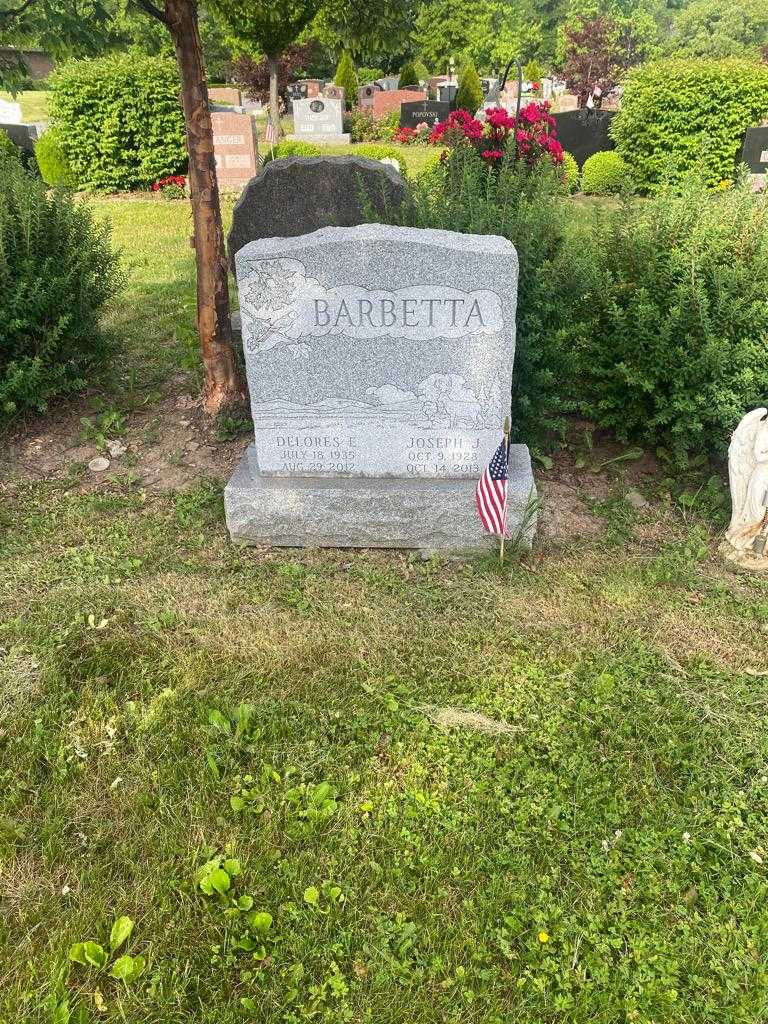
380 151
120 120
55 169
603 174
291 147
408 75
346 77
57 273
692 112
569 172
677 351
469 95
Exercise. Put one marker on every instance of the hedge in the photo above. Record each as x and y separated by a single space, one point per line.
686 113
604 173
55 169
58 273
120 120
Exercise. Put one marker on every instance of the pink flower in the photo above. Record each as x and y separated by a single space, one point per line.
492 154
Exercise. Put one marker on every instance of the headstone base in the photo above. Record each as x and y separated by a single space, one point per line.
426 514
320 140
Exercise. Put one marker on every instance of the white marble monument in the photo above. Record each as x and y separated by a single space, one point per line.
746 540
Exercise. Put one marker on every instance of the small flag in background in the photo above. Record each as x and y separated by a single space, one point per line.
270 133
491 492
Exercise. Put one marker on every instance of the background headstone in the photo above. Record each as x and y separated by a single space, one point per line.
429 111
226 95
319 120
24 135
379 364
446 93
754 151
387 100
567 101
584 133
365 96
334 92
296 195
235 148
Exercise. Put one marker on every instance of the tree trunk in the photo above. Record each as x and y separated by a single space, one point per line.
224 388
274 99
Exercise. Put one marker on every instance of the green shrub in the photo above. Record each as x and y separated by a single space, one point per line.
558 267
291 147
532 72
366 75
692 112
603 174
569 172
346 77
120 120
469 95
678 350
380 151
387 126
408 75
55 169
421 71
8 147
57 273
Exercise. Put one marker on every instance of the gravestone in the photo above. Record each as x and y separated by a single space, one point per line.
319 120
389 83
446 93
387 100
235 149
379 364
754 151
230 96
365 96
335 92
584 132
10 113
429 111
296 195
24 135
567 101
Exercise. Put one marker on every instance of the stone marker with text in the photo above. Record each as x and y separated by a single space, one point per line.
379 364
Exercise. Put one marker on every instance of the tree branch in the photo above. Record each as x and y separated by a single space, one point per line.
149 8
16 11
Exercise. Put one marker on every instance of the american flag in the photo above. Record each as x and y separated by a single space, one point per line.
491 492
270 133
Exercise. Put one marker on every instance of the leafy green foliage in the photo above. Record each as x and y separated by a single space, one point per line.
691 112
469 95
604 174
264 26
381 151
711 28
291 147
556 278
677 353
407 75
57 274
119 120
569 170
346 77
52 161
533 72
8 148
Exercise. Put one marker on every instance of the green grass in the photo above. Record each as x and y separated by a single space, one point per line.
589 845
34 103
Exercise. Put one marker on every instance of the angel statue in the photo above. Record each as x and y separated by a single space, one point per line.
747 535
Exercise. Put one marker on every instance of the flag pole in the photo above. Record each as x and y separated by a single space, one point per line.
504 513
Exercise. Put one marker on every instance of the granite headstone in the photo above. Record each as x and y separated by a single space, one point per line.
379 364
319 120
296 195
584 132
423 111
235 148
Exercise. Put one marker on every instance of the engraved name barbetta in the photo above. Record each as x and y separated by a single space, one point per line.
386 312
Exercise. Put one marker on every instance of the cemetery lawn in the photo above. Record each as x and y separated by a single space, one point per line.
359 786
33 103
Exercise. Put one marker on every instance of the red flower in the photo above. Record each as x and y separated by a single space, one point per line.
492 154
